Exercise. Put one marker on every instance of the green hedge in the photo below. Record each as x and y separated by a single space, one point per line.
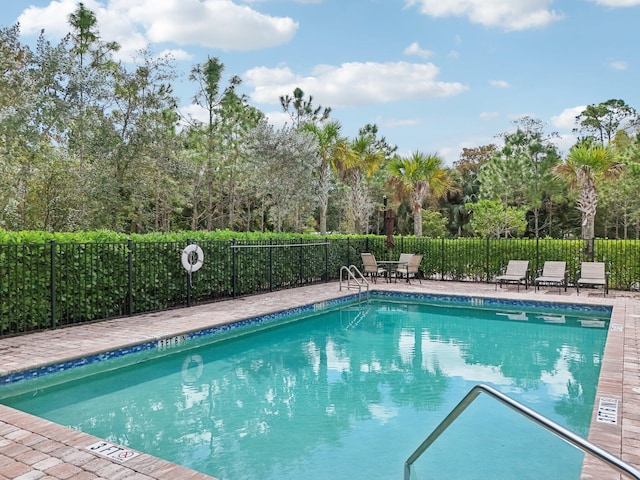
50 280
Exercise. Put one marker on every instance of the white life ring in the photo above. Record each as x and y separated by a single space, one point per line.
192 368
192 258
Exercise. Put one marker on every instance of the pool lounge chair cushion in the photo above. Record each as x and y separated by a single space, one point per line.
517 272
553 273
593 274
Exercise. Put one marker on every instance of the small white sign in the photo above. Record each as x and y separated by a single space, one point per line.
608 411
114 452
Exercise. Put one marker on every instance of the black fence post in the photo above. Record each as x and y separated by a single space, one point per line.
442 259
535 273
130 275
592 249
52 246
487 259
270 265
301 263
233 268
326 260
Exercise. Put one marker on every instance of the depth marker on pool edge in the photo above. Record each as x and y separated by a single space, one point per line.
114 452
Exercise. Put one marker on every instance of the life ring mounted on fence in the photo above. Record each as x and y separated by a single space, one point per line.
192 258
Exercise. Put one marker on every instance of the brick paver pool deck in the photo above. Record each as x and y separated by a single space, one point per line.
35 449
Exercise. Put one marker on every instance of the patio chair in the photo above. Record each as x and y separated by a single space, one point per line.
517 272
593 274
411 269
371 266
553 273
405 257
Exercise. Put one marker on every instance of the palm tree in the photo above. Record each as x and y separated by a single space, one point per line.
330 146
419 177
586 166
356 162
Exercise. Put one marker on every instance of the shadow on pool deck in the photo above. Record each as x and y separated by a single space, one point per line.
33 448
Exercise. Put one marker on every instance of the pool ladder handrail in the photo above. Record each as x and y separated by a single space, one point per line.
549 425
360 281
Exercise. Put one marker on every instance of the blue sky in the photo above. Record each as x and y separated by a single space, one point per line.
434 75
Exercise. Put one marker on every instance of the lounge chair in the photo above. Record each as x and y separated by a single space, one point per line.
517 272
553 273
411 269
371 266
593 274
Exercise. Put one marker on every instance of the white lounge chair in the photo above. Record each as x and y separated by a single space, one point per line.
517 272
594 275
553 273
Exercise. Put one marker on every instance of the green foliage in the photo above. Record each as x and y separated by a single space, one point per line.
492 219
434 224
49 280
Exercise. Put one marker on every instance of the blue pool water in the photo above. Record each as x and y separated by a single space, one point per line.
346 393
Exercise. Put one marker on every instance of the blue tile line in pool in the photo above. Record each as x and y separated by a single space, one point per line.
272 317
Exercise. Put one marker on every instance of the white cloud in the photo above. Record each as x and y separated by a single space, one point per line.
618 65
564 142
209 23
194 112
486 116
499 84
134 23
53 18
176 54
567 119
505 14
415 49
400 122
353 83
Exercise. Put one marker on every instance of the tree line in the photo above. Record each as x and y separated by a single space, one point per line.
89 143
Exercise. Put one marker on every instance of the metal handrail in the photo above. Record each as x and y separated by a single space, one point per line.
558 430
351 271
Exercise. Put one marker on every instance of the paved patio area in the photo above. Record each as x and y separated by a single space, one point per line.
33 448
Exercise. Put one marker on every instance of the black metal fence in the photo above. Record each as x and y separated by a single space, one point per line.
52 284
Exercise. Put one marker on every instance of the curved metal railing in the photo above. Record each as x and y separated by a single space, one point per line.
549 425
355 275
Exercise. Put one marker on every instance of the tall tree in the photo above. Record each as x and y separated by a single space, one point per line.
521 173
330 146
217 179
361 159
585 167
465 177
419 177
281 165
135 137
90 83
303 111
602 121
619 196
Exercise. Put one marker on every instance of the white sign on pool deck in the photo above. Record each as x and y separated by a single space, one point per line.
608 411
114 452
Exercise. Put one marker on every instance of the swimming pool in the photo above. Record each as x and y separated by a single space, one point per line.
345 393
